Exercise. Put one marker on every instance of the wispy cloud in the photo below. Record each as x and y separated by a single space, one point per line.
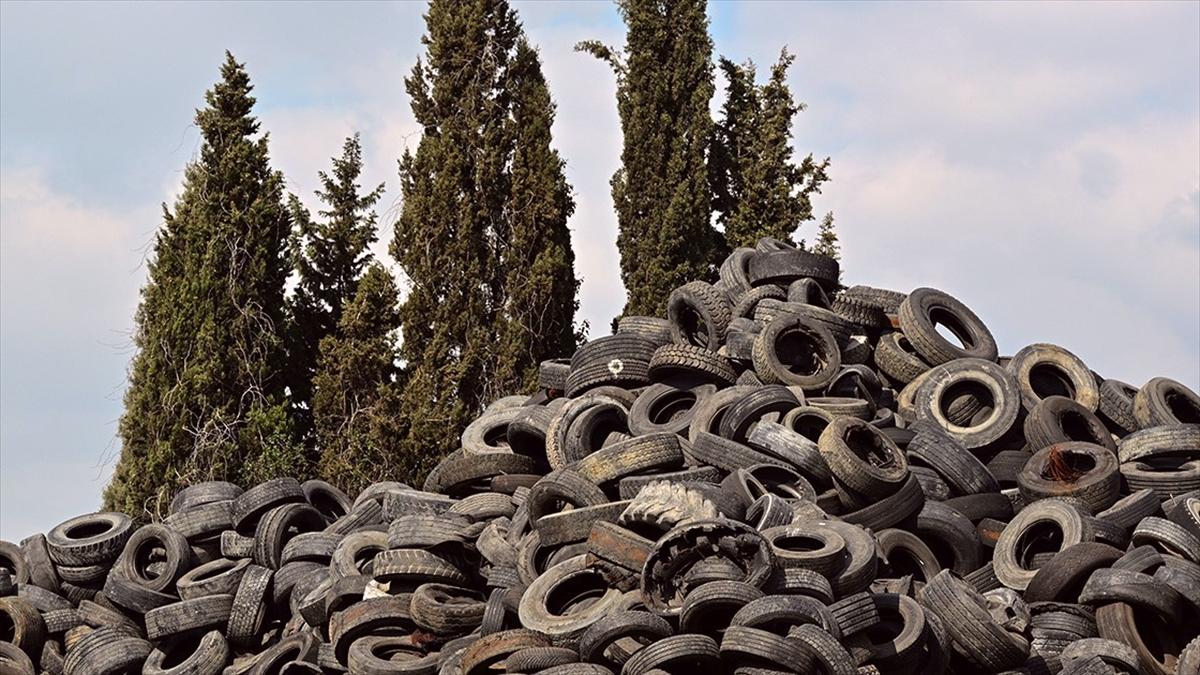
1038 160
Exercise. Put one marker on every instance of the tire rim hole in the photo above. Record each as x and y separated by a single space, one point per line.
950 328
1047 379
772 480
1042 537
903 561
1079 428
714 617
868 446
8 628
216 570
694 327
809 425
966 395
364 558
145 556
889 628
1155 633
604 423
326 505
395 653
942 551
180 650
800 543
524 442
800 352
1182 407
576 593
497 436
1065 466
87 530
671 407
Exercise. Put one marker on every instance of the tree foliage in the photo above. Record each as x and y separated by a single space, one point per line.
827 239
537 262
757 190
482 193
329 256
206 391
356 400
661 192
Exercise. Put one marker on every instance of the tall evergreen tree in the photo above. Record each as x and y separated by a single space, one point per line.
329 257
206 394
356 401
757 190
661 192
827 239
482 193
537 261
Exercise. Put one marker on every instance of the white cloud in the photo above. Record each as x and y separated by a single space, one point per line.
1036 160
68 288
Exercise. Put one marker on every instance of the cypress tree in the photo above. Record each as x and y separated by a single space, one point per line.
206 393
329 257
537 261
827 239
458 218
356 402
661 192
757 190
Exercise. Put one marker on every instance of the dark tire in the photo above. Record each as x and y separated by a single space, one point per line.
1116 406
925 308
89 540
622 360
933 448
752 407
1082 470
277 526
206 656
786 266
1058 419
1043 370
1063 577
984 643
983 379
1165 401
743 306
795 351
256 501
219 577
699 315
640 454
863 458
209 612
1035 523
686 365
204 493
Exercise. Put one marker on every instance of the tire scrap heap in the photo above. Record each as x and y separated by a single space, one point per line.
765 481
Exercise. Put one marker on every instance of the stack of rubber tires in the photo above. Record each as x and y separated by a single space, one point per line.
781 476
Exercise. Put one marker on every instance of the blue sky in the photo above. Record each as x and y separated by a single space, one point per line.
1038 161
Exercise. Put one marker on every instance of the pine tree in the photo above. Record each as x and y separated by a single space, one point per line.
329 257
661 192
206 395
757 190
483 193
827 239
537 261
356 400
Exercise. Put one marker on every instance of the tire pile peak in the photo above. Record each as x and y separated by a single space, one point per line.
780 476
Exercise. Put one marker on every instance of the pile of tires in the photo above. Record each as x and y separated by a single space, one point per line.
781 476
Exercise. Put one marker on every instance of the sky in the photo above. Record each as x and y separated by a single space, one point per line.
1040 162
